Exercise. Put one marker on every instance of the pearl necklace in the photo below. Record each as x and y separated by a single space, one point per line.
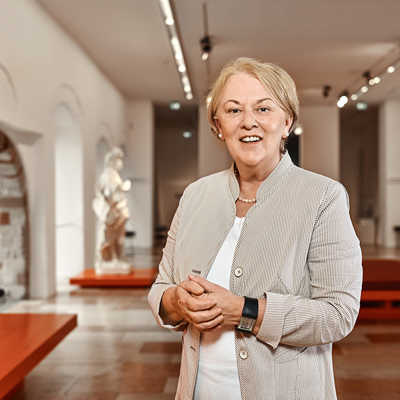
247 200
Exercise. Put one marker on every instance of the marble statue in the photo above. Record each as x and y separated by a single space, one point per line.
111 208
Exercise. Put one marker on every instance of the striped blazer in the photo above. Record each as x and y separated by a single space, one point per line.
297 248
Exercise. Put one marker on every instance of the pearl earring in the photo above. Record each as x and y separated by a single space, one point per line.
220 136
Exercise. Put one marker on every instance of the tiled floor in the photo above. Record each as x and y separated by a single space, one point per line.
117 352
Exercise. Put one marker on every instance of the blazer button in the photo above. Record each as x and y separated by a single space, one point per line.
238 272
243 354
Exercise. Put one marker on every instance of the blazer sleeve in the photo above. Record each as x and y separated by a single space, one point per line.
334 262
165 277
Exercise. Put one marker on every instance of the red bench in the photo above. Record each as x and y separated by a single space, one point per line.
380 298
25 339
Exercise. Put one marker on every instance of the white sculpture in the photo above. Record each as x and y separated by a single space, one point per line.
111 208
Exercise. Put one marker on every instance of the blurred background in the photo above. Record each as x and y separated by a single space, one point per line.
79 77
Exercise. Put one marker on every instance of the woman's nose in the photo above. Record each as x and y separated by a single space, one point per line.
249 121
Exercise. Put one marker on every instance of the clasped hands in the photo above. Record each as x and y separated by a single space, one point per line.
206 305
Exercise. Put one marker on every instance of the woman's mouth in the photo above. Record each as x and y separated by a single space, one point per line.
250 139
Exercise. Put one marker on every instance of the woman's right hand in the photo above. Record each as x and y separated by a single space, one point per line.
190 303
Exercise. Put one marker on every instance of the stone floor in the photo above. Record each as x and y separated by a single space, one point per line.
117 352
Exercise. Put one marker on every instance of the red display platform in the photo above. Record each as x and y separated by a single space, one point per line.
25 339
380 297
138 278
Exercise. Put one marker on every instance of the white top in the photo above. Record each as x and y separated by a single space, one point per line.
217 376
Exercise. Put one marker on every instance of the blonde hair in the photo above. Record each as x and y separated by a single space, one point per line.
273 77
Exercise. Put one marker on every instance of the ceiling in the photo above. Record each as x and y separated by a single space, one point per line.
318 42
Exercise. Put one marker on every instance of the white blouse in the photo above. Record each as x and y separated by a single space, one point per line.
217 376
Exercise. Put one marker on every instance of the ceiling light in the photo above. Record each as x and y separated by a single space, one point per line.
354 97
298 130
364 89
391 69
187 134
204 56
173 34
377 80
206 47
326 90
175 105
361 106
343 99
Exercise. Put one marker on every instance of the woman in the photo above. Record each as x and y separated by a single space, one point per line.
262 268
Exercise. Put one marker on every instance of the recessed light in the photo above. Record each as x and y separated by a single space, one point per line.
361 106
187 134
175 105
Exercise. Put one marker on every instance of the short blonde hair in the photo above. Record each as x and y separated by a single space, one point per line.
273 77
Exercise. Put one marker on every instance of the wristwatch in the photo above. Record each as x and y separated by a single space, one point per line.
249 315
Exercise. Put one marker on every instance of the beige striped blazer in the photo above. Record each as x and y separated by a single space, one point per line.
297 248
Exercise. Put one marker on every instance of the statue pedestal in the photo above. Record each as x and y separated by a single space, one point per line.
115 267
137 278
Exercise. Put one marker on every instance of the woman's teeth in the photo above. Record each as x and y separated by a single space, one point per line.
248 139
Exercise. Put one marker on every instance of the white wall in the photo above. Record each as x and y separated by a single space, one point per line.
40 68
320 141
139 166
389 172
212 153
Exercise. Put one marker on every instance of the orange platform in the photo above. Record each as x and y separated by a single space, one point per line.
138 278
25 339
380 297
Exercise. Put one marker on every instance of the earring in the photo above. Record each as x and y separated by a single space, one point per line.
220 137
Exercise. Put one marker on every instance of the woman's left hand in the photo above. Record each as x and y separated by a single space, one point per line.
230 304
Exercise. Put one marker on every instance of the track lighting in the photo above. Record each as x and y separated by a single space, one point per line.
206 47
343 99
176 47
371 80
326 90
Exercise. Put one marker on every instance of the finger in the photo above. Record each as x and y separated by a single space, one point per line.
188 303
200 303
215 323
204 283
192 287
204 316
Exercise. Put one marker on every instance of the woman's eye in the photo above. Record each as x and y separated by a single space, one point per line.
263 109
233 110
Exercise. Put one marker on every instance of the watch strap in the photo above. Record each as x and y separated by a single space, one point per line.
250 308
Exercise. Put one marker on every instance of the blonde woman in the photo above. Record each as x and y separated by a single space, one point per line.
262 268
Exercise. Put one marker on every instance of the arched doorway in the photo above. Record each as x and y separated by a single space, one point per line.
14 247
69 195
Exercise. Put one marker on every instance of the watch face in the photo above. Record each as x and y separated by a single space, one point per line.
246 324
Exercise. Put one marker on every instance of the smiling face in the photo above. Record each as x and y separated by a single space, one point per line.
251 122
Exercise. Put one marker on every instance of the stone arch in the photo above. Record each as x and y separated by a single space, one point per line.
8 94
67 115
14 227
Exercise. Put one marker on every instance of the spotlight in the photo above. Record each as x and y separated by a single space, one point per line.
174 105
354 97
189 96
206 47
368 77
343 99
364 89
326 90
391 69
361 106
187 134
298 130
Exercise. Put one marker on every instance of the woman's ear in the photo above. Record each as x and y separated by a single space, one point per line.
288 124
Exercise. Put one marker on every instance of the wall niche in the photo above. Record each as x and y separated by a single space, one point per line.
13 224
